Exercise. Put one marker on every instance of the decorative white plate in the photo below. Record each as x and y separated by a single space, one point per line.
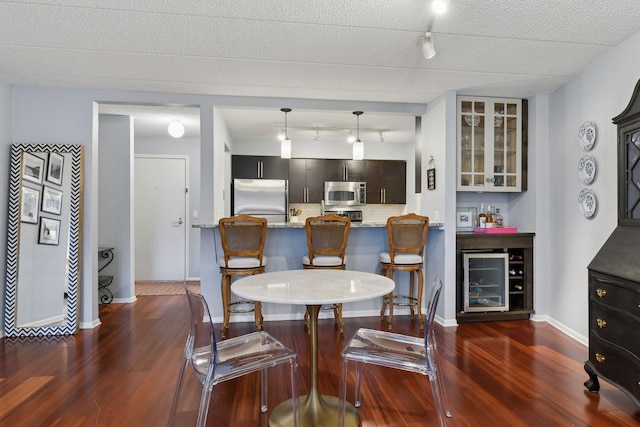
472 120
588 202
587 169
587 135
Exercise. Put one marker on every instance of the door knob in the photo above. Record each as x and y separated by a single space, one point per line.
179 221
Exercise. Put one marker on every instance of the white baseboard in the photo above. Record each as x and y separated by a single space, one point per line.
124 300
90 325
568 331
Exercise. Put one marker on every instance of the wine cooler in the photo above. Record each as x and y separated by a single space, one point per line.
486 281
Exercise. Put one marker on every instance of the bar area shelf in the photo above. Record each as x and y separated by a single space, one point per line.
494 276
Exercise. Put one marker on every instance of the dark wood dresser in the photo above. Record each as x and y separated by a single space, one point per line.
614 334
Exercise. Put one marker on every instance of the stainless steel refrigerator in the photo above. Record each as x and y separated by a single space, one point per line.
266 198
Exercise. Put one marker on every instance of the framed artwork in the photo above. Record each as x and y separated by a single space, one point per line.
29 205
466 218
49 231
51 200
32 168
431 179
54 170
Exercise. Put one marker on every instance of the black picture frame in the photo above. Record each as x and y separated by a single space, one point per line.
49 231
431 179
32 168
51 200
30 201
55 168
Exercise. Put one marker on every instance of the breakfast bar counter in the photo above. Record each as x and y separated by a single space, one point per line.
286 244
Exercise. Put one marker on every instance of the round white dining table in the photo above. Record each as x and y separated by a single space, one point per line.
313 288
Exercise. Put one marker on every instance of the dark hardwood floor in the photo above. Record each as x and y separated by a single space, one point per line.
123 373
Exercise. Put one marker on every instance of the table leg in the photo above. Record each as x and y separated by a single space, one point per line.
316 410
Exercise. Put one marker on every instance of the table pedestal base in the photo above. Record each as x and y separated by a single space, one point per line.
322 411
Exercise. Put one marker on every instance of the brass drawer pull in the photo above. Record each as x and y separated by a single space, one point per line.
601 323
601 292
600 357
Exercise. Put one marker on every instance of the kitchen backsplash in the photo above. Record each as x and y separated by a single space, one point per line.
370 213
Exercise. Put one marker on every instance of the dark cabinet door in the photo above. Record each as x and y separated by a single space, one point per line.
259 167
395 182
316 176
345 170
386 181
297 180
245 167
275 168
375 174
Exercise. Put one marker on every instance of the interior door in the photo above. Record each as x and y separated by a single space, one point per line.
160 217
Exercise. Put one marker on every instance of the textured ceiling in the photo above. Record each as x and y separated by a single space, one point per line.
315 49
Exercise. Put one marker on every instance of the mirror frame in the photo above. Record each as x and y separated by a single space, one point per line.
13 239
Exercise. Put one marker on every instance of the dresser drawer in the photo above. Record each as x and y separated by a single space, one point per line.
615 325
615 292
615 364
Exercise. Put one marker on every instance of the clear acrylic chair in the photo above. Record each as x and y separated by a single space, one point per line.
397 351
215 362
327 237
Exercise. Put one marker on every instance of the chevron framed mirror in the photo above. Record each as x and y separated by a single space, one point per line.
41 295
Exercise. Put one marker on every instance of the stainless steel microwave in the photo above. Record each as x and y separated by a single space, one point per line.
341 193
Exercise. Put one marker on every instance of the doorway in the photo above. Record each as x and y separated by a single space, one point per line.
160 207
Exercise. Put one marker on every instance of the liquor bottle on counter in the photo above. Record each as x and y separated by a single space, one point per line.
498 218
482 217
490 221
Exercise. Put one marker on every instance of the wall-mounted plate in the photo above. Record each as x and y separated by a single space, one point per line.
587 135
588 203
587 169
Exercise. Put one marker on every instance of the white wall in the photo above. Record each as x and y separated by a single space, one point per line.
438 132
597 95
114 201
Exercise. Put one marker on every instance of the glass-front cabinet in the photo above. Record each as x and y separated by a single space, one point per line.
630 180
490 149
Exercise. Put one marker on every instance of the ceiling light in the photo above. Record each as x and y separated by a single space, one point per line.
316 134
176 129
380 136
358 146
281 135
285 144
439 6
428 49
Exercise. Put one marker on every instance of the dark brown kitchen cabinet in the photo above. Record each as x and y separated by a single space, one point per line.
344 170
259 167
518 250
386 182
306 180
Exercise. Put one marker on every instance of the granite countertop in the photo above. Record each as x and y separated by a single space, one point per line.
300 224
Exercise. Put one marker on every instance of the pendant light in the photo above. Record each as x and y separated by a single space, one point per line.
285 144
358 146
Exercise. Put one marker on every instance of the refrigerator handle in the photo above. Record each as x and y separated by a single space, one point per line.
258 169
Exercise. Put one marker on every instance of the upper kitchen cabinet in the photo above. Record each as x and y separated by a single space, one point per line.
492 142
259 167
345 170
306 180
386 181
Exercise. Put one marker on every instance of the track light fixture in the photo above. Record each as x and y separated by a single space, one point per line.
358 146
428 48
285 144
